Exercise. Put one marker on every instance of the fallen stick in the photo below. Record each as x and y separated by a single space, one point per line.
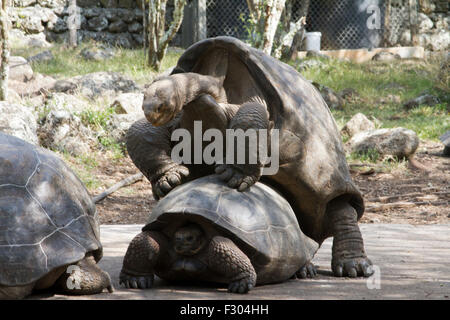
123 183
399 205
406 195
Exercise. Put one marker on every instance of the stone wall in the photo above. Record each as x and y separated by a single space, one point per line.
117 22
433 25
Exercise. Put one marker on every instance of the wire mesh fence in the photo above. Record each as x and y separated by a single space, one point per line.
344 24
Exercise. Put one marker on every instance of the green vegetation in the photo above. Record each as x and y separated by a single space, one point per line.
382 88
68 62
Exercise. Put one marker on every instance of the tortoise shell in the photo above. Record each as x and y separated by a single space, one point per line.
260 221
47 217
312 165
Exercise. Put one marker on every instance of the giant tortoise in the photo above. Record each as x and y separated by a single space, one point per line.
227 84
204 230
49 229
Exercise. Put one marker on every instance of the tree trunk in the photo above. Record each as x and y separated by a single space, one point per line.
72 23
4 60
158 38
274 8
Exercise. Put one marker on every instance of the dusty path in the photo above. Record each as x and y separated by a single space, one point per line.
402 195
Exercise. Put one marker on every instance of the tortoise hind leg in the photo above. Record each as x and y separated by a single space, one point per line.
348 255
84 277
15 293
225 258
143 253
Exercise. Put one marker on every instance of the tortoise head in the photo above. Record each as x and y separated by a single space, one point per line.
189 240
161 101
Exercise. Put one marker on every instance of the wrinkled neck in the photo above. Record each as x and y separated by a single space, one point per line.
190 86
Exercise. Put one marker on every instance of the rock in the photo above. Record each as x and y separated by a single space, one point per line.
65 102
20 39
42 56
390 98
425 23
97 24
425 99
358 123
445 138
88 3
440 41
126 4
31 24
19 69
138 38
385 56
24 3
109 3
405 38
116 14
19 121
348 93
118 27
124 40
51 3
63 131
119 124
135 27
98 53
128 103
38 84
59 26
92 12
398 142
97 84
333 100
67 86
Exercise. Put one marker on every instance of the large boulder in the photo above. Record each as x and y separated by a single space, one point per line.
128 103
425 99
398 142
38 84
97 53
63 131
333 100
19 69
94 85
425 23
358 123
445 138
21 39
19 121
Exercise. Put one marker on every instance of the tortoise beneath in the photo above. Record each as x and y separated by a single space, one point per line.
49 229
203 230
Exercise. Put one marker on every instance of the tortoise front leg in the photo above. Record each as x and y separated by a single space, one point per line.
143 253
149 147
348 255
254 116
84 277
225 258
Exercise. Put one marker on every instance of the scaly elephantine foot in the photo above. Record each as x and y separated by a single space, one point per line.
352 267
309 270
136 282
242 285
236 177
169 180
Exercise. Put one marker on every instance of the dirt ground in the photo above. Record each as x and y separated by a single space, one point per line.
400 194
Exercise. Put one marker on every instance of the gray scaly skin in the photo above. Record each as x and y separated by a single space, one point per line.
87 279
191 254
149 147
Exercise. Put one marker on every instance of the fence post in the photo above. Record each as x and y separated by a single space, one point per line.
194 23
413 23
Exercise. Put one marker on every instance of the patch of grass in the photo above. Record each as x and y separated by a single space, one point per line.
404 79
98 119
68 62
370 155
83 166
